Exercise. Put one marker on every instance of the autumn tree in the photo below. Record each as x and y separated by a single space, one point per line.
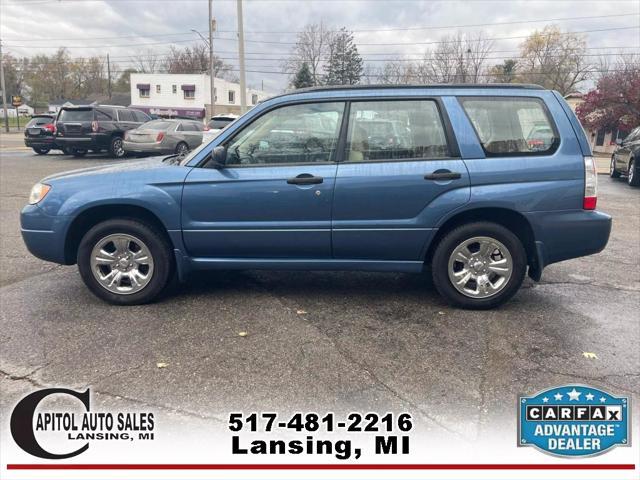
344 66
615 102
554 59
303 77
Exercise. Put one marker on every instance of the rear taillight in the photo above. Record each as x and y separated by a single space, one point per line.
590 184
94 126
160 137
206 128
50 127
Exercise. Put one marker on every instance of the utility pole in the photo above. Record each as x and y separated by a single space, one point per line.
4 92
109 77
243 88
212 70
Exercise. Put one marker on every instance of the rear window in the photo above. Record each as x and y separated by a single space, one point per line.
76 115
218 123
158 125
37 121
512 125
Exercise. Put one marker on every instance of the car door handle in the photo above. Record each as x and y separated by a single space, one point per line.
447 175
305 179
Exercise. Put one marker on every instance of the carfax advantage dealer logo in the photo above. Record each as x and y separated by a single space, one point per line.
574 421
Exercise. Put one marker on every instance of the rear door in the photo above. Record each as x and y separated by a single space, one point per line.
401 173
126 120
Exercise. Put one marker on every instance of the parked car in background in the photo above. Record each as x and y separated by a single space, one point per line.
39 134
164 136
216 124
626 158
463 196
96 128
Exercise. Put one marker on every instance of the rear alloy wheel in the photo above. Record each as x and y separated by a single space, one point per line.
116 147
41 151
613 173
125 261
479 265
182 149
633 178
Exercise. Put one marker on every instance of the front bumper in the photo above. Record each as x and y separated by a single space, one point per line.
44 235
562 235
154 147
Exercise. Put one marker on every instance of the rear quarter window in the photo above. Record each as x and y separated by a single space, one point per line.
512 125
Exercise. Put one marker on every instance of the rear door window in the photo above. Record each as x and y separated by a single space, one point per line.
140 116
105 114
125 116
395 130
512 125
85 115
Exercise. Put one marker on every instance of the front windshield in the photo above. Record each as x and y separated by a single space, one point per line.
196 151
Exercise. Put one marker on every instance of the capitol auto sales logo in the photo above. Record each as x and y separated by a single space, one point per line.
574 421
57 423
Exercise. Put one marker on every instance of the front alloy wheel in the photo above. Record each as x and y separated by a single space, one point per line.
613 173
633 177
125 261
122 263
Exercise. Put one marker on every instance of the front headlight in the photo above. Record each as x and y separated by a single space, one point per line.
38 192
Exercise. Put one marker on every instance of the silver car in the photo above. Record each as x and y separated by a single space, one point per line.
164 136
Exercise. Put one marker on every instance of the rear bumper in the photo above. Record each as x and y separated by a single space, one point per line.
40 142
137 147
568 234
92 141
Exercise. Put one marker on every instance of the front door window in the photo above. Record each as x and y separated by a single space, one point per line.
292 135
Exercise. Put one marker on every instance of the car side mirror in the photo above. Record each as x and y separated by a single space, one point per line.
218 157
618 141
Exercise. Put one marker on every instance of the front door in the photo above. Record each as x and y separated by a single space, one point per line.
273 197
400 175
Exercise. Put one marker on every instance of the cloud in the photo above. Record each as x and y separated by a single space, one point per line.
125 27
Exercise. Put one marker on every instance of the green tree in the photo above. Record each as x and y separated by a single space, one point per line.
504 72
345 63
123 84
303 78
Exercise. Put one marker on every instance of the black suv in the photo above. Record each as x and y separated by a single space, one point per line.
39 133
96 128
626 158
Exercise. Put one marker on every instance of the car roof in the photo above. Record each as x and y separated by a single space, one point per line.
447 86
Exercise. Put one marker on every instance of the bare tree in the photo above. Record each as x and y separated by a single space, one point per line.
194 59
458 58
312 48
554 59
146 61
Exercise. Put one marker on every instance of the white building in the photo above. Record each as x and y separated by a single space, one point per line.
168 95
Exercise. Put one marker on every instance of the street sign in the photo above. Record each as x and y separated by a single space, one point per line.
16 100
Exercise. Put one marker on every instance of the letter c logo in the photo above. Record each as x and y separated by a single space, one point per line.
22 422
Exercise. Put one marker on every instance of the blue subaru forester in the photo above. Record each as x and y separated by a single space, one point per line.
479 183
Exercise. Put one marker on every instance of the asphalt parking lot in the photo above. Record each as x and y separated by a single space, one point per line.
318 340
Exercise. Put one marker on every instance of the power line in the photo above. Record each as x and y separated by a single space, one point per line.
356 30
438 42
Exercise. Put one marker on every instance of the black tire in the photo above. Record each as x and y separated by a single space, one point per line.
116 147
78 152
613 173
182 148
161 253
66 150
633 174
448 243
41 151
